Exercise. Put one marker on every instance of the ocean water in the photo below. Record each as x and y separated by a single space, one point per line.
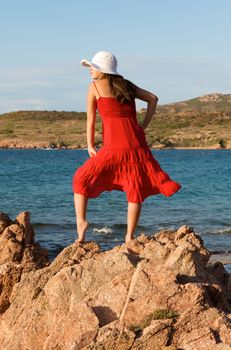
40 181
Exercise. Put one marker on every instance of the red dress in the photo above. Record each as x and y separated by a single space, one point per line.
124 162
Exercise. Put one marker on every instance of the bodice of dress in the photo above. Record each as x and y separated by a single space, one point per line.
120 126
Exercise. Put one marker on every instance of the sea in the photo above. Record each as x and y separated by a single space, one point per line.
40 181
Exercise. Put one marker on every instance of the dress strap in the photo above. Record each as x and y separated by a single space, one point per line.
96 88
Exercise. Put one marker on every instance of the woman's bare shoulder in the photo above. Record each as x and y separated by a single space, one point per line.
92 89
91 86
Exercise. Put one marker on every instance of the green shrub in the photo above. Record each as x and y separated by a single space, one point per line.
158 314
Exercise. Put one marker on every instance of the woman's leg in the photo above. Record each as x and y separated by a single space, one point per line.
134 210
81 202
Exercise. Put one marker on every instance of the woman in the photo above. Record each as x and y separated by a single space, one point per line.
124 162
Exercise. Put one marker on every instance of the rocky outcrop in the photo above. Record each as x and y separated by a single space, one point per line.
18 254
154 293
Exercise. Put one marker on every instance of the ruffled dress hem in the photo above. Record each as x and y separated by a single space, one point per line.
133 171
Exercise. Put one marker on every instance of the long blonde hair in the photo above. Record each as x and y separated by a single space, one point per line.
123 89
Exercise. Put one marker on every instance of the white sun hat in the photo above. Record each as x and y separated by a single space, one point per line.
103 61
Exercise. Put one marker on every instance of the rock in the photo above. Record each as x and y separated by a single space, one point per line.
9 275
216 97
18 254
157 293
183 230
81 326
111 336
155 336
23 220
17 242
4 221
221 346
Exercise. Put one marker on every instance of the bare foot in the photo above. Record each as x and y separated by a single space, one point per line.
128 238
82 226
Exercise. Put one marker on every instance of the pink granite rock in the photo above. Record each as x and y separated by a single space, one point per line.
152 293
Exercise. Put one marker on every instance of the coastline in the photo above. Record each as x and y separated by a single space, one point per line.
200 123
82 147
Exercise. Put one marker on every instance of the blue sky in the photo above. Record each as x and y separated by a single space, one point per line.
178 49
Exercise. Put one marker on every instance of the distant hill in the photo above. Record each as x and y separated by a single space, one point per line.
202 122
208 103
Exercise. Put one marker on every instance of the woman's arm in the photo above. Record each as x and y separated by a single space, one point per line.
151 100
91 116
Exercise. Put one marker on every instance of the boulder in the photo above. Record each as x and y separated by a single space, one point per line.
18 254
4 222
